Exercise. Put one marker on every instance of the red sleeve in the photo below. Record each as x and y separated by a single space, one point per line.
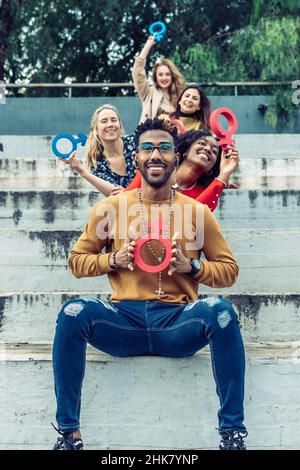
210 196
135 183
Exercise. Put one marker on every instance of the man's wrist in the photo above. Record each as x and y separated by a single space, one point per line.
112 261
196 267
188 266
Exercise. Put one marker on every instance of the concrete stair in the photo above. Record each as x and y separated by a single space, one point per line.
149 403
69 209
42 261
268 161
30 317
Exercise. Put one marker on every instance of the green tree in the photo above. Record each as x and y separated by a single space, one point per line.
273 8
268 51
8 12
97 41
89 41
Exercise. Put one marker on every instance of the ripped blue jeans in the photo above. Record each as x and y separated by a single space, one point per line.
139 328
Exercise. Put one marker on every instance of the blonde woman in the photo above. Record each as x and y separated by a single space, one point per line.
110 163
168 83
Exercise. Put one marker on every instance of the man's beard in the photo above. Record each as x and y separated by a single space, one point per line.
152 182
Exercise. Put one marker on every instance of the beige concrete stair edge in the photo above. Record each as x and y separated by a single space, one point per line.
289 350
151 402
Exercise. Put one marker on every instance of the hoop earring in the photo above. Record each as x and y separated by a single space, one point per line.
209 173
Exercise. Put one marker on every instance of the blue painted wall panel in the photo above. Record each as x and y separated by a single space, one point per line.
44 116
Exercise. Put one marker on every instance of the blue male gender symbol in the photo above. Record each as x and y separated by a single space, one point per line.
74 141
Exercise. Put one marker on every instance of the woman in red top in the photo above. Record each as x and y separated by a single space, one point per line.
203 171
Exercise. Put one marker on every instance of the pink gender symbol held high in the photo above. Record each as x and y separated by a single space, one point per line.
156 234
225 135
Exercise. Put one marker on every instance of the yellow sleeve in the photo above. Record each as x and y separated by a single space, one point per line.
166 117
220 268
86 259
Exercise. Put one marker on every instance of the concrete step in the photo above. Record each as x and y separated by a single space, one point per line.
267 161
269 261
33 146
29 173
149 402
41 209
281 172
58 210
249 145
24 317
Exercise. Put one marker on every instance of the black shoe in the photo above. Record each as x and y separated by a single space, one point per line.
66 441
232 440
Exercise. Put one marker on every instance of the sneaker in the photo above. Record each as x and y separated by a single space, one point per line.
66 441
232 440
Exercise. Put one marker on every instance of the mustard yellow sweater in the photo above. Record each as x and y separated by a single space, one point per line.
108 227
189 123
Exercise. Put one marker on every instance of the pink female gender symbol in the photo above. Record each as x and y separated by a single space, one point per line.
156 234
179 125
224 134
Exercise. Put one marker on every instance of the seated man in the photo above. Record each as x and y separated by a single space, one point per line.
152 313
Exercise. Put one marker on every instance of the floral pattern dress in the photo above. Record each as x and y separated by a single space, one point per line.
104 171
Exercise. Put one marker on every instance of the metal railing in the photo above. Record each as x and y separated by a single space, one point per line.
70 86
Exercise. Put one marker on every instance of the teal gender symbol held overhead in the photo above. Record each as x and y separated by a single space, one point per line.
159 29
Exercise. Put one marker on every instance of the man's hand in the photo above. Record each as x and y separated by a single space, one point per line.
179 262
125 256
